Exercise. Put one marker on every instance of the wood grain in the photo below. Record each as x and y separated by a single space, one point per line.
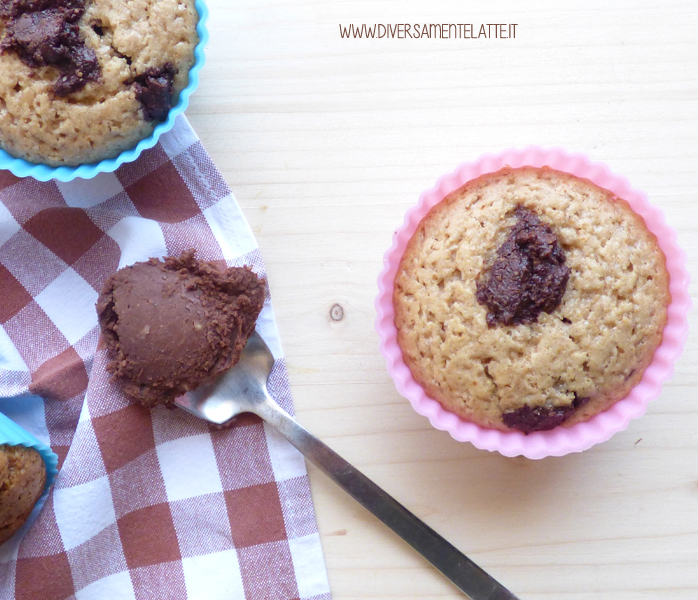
327 141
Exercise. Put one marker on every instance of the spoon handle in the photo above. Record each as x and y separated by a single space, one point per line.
462 571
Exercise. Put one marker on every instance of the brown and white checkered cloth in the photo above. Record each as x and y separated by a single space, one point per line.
147 505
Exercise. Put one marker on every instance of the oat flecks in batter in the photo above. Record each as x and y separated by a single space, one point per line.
576 360
105 117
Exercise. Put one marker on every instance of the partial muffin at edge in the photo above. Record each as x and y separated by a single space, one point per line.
22 481
133 42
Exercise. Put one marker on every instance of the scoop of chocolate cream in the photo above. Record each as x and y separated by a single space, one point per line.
172 325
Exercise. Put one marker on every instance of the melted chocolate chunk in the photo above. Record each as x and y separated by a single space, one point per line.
529 275
154 90
16 8
528 419
578 401
46 33
84 67
42 38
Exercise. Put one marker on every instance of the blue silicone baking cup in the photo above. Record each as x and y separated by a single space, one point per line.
13 435
24 168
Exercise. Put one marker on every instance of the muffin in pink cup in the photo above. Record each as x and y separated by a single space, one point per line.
532 303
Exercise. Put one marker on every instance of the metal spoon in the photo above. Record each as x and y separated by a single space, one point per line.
244 389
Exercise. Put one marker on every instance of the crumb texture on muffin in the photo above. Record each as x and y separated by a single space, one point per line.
601 317
57 106
22 480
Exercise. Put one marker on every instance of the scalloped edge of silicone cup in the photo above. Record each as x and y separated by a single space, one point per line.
23 168
561 440
14 435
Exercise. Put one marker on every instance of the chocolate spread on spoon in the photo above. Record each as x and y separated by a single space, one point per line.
172 325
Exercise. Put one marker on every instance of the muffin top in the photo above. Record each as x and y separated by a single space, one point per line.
22 480
83 80
530 298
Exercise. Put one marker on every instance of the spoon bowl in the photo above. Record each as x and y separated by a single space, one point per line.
241 389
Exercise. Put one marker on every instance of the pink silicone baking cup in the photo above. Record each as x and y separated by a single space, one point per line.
561 440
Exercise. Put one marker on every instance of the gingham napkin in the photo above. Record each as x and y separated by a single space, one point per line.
147 505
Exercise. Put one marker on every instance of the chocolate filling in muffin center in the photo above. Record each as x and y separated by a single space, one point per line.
528 276
45 33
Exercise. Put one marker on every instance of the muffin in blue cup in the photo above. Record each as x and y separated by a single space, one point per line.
86 85
28 468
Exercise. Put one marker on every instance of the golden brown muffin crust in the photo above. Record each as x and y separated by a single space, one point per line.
590 350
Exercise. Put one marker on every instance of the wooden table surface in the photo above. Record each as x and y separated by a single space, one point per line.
327 141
